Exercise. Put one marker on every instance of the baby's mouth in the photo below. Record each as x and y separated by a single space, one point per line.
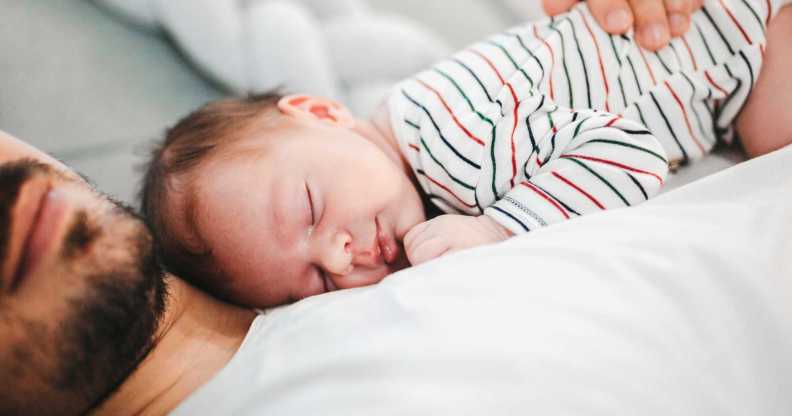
388 248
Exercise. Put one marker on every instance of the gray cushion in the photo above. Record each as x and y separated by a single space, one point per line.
77 82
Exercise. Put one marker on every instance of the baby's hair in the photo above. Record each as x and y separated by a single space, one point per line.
193 140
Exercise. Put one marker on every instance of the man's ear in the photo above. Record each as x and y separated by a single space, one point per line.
321 109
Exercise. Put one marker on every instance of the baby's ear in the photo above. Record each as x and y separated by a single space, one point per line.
321 109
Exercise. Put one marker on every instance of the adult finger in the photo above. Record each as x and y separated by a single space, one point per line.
554 7
678 12
613 15
651 24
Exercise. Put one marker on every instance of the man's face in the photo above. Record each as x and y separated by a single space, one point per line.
80 292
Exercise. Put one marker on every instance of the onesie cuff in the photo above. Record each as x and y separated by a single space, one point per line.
516 222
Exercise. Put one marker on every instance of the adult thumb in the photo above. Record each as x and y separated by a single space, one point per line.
554 7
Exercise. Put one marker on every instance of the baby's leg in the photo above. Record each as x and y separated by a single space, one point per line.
765 123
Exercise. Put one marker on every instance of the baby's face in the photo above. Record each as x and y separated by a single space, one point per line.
311 210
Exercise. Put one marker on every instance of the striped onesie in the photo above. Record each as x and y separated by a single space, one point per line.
554 119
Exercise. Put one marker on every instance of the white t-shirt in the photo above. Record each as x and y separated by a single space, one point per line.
606 314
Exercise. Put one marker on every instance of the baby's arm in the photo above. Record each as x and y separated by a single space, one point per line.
587 161
765 123
579 162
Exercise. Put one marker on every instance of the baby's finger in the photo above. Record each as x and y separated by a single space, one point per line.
554 7
426 250
651 24
419 236
413 235
678 12
613 15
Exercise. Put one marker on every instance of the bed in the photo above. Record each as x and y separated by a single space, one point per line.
679 306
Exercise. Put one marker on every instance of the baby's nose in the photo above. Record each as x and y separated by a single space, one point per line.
336 256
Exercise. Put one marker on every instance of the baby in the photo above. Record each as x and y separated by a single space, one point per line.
269 199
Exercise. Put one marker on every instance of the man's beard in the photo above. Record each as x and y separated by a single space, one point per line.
109 328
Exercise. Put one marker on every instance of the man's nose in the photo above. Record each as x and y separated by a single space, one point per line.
335 255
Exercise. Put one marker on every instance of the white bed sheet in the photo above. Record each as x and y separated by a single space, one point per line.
680 306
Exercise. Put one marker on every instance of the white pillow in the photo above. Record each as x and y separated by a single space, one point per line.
680 306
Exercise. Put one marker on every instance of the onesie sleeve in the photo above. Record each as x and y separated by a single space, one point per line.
578 162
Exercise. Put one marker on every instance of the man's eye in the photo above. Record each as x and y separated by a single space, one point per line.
310 203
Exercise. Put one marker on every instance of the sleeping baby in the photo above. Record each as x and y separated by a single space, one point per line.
269 199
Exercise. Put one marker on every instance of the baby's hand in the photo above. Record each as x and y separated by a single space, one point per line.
448 233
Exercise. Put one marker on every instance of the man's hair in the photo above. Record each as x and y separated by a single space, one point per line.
193 140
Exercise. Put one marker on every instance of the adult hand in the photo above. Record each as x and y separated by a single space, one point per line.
656 21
